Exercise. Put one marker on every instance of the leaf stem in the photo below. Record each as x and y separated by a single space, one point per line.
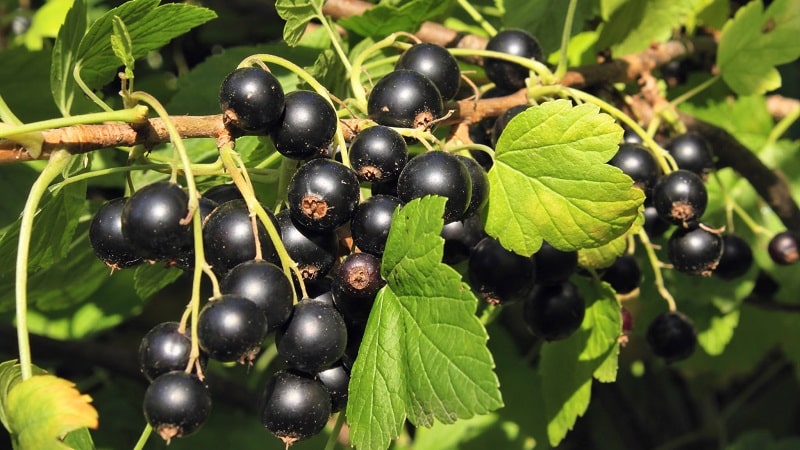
59 160
337 428
781 127
143 437
334 39
561 69
541 70
6 115
76 74
132 115
355 76
656 265
693 91
477 17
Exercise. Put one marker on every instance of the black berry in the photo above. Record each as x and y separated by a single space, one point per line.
736 259
680 198
307 126
636 162
378 154
624 275
252 100
323 194
480 185
295 406
231 328
554 266
371 223
405 99
355 284
107 239
507 75
694 251
436 63
437 173
264 284
152 221
176 404
555 311
315 252
691 152
500 275
164 349
783 248
672 336
314 338
336 380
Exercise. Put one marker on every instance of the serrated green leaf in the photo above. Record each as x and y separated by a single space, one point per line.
44 408
64 57
755 41
605 255
297 13
567 367
150 27
151 278
423 355
122 46
385 18
544 19
10 376
715 338
79 439
550 180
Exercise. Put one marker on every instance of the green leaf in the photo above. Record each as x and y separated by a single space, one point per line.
545 19
62 85
297 13
605 255
151 278
763 440
150 27
79 439
568 366
10 376
550 180
755 41
385 18
122 46
423 354
42 409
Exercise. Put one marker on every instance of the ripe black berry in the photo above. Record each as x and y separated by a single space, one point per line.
152 221
672 336
507 75
176 404
680 198
336 381
378 154
554 266
107 240
251 100
314 252
636 162
295 406
222 193
405 99
164 349
555 311
480 185
437 173
783 248
231 328
736 259
307 126
314 338
264 284
460 237
371 223
629 136
500 275
355 284
228 237
624 275
323 194
694 251
654 225
692 152
436 63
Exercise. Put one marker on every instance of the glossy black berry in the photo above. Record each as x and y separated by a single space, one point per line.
630 137
307 126
500 275
503 120
176 404
437 173
504 74
672 336
107 239
692 152
694 251
222 193
736 259
295 406
152 221
314 338
460 237
252 100
680 198
554 266
371 223
555 311
784 248
624 275
636 162
405 99
323 194
480 185
186 260
378 154
164 349
436 63
654 225
231 328
356 282
228 238
336 380
264 284
315 252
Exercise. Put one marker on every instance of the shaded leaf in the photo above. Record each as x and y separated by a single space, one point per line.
385 18
64 56
297 13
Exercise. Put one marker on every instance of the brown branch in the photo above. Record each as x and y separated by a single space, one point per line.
780 106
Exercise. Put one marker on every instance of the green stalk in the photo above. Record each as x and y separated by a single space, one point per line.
6 115
358 63
132 115
781 127
477 17
143 438
655 264
76 74
541 70
334 36
561 69
55 166
337 428
693 91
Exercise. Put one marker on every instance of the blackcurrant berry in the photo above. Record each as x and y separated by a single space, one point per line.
355 284
554 266
222 193
176 404
164 349
636 162
378 154
371 223
460 237
323 194
694 251
405 99
500 275
654 225
315 252
252 100
555 311
295 406
692 152
107 240
630 137
736 259
437 173
307 126
152 221
186 260
680 198
231 328
783 248
672 336
336 381
264 284
314 338
436 63
507 75
480 185
624 275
